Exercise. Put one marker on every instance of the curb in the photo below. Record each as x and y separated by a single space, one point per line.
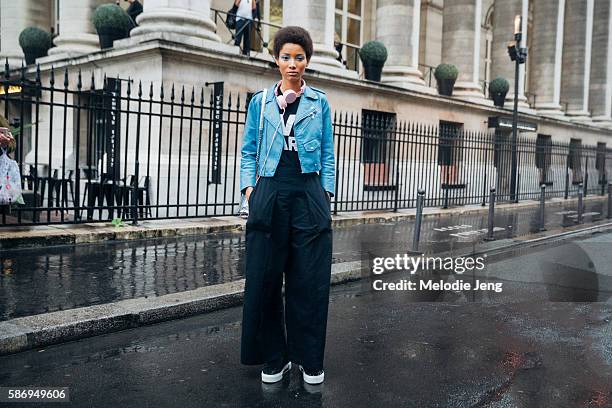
30 332
71 234
24 333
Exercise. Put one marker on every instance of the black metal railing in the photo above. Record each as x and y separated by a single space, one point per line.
118 149
259 41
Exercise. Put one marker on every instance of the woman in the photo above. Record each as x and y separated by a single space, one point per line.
7 141
289 225
244 15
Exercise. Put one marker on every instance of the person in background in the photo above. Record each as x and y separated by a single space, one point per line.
338 46
7 141
133 10
244 16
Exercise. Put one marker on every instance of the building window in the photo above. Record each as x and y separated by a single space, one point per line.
543 157
377 128
348 30
449 153
272 13
574 160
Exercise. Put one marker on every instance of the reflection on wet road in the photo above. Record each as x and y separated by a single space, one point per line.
514 349
34 281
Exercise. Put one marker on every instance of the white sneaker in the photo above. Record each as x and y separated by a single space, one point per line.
314 377
272 374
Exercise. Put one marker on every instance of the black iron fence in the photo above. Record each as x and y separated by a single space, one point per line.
100 149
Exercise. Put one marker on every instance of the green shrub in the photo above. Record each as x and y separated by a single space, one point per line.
499 86
35 38
373 52
110 18
446 71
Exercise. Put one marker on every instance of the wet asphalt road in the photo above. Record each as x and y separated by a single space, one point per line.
43 280
541 342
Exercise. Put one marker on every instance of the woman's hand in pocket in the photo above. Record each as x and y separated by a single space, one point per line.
248 192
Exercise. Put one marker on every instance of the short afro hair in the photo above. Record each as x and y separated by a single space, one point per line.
293 35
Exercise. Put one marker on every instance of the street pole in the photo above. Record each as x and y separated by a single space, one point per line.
513 193
518 55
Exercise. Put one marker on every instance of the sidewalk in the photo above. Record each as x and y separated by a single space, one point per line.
69 292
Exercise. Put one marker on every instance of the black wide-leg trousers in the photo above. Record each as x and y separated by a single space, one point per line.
288 232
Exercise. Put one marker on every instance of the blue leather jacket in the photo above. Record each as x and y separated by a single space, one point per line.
313 133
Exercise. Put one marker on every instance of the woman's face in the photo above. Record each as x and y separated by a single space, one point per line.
292 62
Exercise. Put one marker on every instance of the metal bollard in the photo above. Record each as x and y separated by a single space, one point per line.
490 235
580 204
419 216
542 207
610 200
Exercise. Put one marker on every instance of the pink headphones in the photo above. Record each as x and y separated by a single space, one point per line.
289 96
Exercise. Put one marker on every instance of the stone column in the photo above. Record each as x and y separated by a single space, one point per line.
461 44
545 55
185 21
316 16
14 17
577 58
503 32
397 26
77 34
600 92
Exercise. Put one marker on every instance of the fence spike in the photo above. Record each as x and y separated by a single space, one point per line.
161 92
238 102
229 101
52 77
151 90
183 95
22 71
66 78
6 68
202 96
192 94
92 85
172 93
38 74
139 89
80 80
129 87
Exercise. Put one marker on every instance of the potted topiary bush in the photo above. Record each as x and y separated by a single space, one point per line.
112 23
446 75
498 88
35 43
373 55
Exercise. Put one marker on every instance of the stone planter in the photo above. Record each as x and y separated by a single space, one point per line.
31 54
373 71
498 99
446 86
107 38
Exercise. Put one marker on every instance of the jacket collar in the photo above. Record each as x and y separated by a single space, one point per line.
305 106
308 93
